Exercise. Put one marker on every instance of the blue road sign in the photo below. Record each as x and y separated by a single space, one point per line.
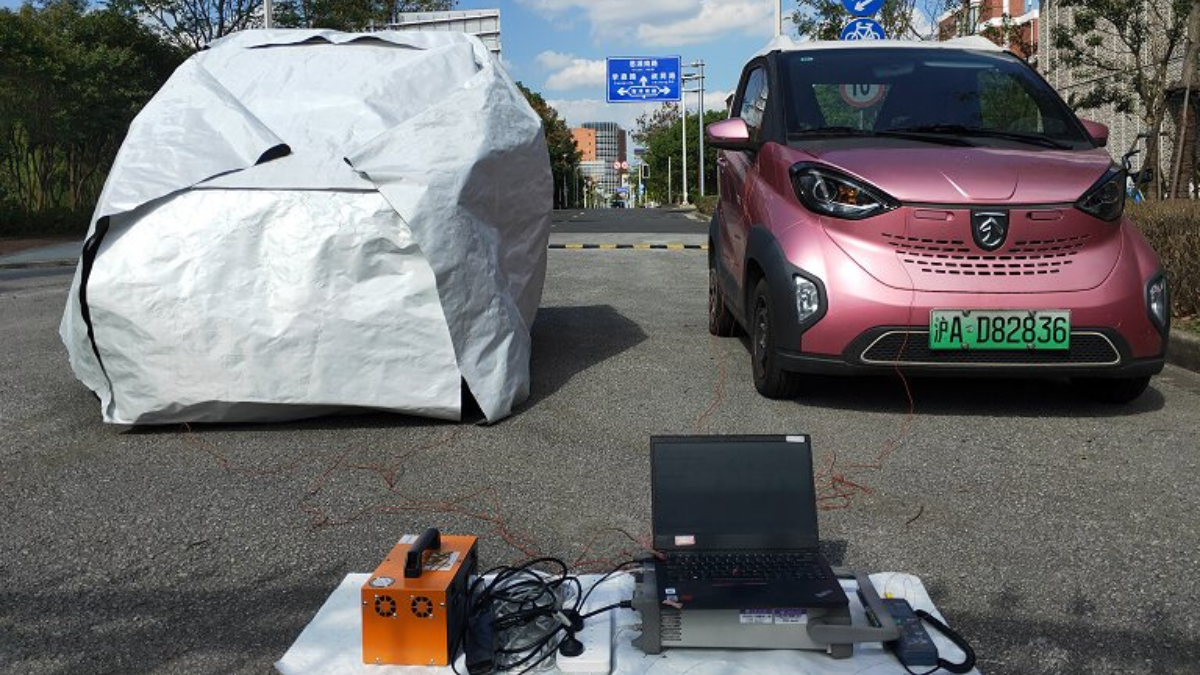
863 29
639 79
862 7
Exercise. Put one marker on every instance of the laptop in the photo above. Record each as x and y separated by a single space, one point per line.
735 519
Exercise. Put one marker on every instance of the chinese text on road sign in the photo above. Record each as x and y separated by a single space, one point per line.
640 79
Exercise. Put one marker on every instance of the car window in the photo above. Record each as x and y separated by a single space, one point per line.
881 89
1009 106
754 101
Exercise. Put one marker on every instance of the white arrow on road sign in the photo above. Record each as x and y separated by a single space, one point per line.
861 5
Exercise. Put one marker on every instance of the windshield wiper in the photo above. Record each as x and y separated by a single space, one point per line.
962 130
923 135
832 131
839 131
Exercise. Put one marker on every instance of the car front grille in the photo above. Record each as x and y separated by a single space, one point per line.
912 348
954 257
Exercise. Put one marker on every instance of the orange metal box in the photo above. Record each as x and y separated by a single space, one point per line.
415 604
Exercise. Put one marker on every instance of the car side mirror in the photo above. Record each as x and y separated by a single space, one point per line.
1097 131
730 134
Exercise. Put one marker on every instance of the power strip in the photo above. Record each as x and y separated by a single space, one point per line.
596 636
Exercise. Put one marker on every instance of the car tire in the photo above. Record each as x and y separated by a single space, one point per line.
720 320
769 379
1112 390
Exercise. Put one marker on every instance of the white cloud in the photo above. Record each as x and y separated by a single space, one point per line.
661 22
551 60
573 73
715 19
714 99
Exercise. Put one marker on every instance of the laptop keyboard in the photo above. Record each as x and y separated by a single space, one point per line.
743 567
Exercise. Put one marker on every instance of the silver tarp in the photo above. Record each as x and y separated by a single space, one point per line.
301 222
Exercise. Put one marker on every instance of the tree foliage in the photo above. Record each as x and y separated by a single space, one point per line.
350 15
71 80
1123 49
564 155
825 19
193 24
659 133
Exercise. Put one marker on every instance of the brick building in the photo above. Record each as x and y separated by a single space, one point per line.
1012 24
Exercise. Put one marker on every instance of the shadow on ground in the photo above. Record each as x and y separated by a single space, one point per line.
570 340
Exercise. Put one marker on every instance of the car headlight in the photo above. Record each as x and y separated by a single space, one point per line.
808 298
1158 302
1106 199
832 193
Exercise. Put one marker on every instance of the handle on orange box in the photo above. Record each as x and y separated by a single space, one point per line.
430 539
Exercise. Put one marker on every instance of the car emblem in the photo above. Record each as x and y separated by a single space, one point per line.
989 229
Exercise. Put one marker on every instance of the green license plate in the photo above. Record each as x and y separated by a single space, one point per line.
999 329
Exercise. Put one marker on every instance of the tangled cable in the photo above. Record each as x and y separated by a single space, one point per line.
517 616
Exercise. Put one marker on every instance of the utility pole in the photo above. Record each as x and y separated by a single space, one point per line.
778 19
683 134
669 179
700 131
267 14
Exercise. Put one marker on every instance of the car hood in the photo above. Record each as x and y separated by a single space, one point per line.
967 175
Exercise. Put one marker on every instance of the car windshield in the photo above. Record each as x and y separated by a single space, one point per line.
938 95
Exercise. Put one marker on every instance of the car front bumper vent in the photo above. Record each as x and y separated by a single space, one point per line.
954 257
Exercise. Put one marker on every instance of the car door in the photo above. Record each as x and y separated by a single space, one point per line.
734 167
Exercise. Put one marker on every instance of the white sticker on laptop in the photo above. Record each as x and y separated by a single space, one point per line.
791 616
756 616
795 439
685 540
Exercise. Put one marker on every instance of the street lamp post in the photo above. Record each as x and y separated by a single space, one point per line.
700 131
683 135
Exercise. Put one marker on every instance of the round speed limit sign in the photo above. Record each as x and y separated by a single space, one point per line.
862 95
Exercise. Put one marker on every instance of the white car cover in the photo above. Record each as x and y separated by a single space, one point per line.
301 222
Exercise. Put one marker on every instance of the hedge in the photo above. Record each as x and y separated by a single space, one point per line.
1173 229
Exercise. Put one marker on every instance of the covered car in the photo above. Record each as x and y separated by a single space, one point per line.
301 222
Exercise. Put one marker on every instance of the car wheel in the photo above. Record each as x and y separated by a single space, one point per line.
769 379
720 320
1112 390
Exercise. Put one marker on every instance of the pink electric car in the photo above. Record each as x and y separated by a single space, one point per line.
933 207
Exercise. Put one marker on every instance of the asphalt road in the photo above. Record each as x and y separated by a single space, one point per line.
1059 535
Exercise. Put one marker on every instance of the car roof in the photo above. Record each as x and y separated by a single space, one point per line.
783 43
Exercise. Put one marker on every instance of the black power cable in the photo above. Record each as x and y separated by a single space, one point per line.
521 615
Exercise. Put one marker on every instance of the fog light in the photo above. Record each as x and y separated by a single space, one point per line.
1157 301
808 298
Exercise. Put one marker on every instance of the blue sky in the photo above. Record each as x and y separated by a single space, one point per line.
558 47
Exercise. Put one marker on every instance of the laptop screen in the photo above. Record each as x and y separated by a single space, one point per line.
733 492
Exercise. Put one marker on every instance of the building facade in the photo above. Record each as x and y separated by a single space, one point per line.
1012 24
610 148
482 23
585 142
1124 127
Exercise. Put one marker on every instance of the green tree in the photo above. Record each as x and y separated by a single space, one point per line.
1123 49
659 133
825 19
71 80
193 24
350 15
564 155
